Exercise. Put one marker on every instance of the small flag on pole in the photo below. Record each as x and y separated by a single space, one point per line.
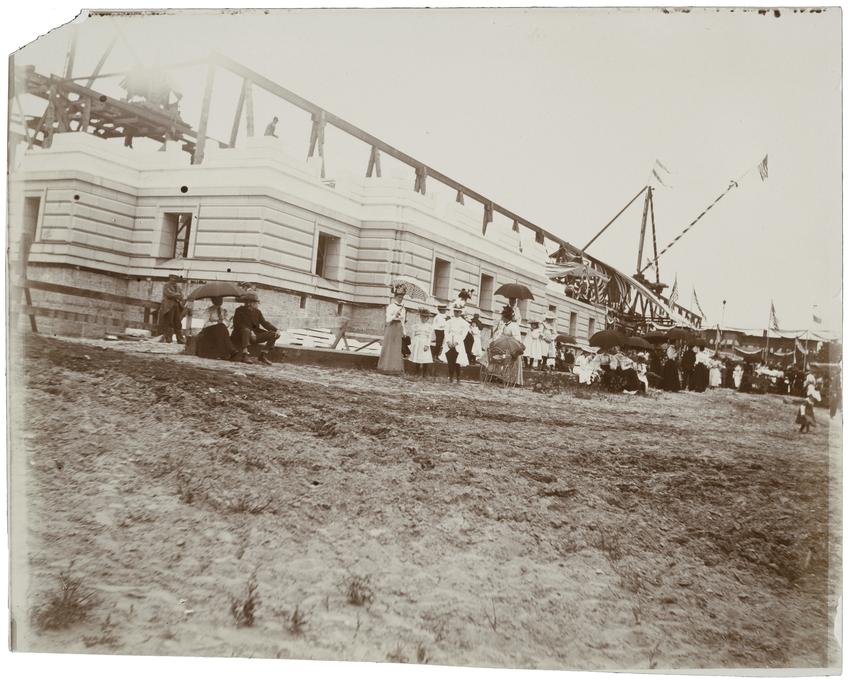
774 323
763 168
658 169
699 307
674 293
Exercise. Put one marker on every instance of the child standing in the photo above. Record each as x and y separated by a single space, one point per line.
806 415
534 346
420 343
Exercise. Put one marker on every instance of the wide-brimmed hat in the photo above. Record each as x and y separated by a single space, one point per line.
175 277
248 297
442 306
425 310
549 316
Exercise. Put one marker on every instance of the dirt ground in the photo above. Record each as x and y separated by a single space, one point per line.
491 527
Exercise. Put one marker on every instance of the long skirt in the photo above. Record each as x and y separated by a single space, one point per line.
214 343
671 376
700 378
391 361
714 377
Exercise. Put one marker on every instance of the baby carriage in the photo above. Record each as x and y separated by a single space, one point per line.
501 360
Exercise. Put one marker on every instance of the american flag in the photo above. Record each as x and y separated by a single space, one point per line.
763 168
774 323
674 294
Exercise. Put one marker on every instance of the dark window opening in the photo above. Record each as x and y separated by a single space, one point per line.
442 278
485 292
328 256
177 229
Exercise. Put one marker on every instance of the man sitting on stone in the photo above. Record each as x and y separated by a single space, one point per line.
249 326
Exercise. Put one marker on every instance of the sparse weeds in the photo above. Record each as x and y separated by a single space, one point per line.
326 428
244 608
610 545
358 590
397 655
296 621
492 620
422 656
65 606
248 504
653 656
106 637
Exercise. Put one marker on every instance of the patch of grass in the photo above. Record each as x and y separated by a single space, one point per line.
244 608
397 655
358 590
422 656
248 504
296 621
65 606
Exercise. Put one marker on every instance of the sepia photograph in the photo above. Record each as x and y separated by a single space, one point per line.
468 337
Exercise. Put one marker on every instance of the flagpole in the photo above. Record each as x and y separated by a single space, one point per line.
720 333
767 335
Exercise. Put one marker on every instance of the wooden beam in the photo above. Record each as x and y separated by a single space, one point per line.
72 52
249 108
90 80
341 124
238 116
198 157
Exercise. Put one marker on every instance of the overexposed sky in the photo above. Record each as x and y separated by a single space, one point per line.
560 115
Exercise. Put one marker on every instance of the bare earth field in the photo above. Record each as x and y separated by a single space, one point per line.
485 527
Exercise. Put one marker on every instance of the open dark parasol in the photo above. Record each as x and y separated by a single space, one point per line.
515 290
211 289
564 338
638 342
701 342
677 333
607 339
656 336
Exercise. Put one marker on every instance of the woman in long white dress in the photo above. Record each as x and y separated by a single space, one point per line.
714 376
737 375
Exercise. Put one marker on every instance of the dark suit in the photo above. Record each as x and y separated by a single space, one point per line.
689 358
249 326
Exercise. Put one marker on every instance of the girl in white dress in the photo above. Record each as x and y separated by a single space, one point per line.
475 330
534 345
420 342
737 375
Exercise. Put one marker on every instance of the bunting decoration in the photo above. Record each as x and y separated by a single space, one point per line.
421 176
488 217
763 168
459 197
815 318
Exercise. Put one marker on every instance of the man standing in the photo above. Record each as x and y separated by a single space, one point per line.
249 326
171 310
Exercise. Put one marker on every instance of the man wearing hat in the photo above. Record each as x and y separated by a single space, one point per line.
249 326
171 310
439 331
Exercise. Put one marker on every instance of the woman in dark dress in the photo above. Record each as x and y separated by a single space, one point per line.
671 371
214 340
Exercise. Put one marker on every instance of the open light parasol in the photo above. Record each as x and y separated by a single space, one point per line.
638 342
412 290
515 290
607 339
212 289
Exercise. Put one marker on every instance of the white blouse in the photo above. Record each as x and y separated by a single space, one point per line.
395 312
